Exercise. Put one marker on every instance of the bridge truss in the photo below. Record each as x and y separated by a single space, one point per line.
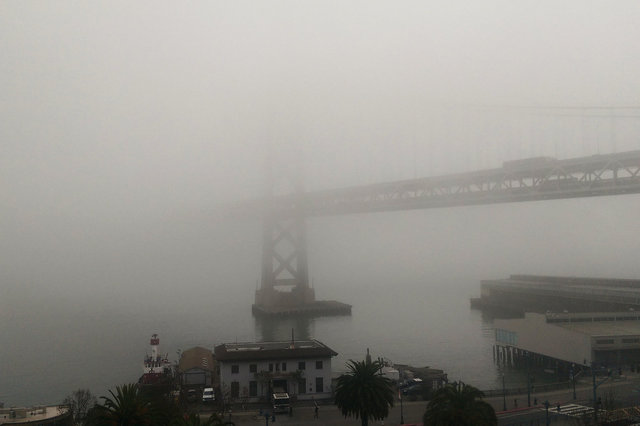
284 258
540 178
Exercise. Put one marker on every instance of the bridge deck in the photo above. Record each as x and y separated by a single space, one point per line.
540 178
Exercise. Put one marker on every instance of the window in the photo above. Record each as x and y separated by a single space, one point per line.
508 337
235 389
235 369
253 388
302 365
302 385
319 385
253 368
318 365
284 366
604 342
277 366
630 340
270 367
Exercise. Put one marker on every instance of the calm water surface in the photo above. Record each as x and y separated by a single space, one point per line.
83 318
53 350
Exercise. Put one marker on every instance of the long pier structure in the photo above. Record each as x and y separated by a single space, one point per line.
285 285
538 293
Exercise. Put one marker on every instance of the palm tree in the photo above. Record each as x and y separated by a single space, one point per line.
126 407
458 404
363 392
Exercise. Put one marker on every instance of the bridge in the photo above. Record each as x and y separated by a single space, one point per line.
285 285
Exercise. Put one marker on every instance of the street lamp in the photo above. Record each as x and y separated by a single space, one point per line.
573 379
546 406
596 401
504 395
401 412
528 379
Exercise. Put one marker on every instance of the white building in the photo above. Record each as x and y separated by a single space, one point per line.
250 371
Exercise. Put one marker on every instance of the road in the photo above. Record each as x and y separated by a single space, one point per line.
625 392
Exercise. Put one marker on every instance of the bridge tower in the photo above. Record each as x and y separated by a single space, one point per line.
285 272
284 287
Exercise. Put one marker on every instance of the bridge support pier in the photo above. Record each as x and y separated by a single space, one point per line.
285 288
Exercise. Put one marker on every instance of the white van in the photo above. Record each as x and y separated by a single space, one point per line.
208 395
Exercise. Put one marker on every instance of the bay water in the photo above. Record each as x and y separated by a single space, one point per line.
85 321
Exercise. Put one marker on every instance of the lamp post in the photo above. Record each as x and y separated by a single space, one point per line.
401 412
546 406
595 401
504 395
528 379
573 379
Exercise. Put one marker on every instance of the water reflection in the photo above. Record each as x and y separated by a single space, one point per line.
279 329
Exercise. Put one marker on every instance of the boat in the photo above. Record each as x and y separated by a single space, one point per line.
156 369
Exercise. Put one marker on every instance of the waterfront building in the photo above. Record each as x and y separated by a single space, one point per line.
250 371
197 367
605 339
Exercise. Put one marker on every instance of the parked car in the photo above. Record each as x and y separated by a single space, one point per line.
192 395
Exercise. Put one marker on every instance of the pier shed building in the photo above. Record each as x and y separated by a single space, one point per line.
539 293
250 371
604 339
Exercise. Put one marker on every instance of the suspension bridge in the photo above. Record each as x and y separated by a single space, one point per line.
284 287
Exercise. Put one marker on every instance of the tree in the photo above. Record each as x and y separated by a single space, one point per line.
126 407
79 403
364 392
458 404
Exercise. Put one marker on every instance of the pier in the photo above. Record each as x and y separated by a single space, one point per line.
538 293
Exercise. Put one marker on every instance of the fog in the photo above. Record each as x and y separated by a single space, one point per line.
125 125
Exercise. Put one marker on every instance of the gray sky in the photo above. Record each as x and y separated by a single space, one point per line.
120 119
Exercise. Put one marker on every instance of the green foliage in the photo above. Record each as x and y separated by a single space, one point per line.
363 392
127 406
458 404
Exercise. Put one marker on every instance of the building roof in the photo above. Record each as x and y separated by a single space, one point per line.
604 328
598 324
197 357
255 351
